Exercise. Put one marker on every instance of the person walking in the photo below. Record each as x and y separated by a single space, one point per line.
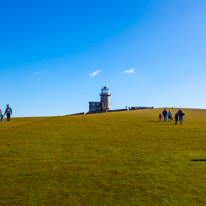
160 117
1 116
176 118
179 111
170 116
8 113
181 115
164 113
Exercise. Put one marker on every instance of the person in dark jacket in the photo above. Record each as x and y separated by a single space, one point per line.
180 111
176 117
8 113
181 115
164 113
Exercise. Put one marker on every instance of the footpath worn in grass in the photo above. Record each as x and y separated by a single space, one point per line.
125 158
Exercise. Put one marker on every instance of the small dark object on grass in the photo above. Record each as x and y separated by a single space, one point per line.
199 160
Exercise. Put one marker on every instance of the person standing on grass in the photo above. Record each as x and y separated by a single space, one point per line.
164 113
170 116
8 113
160 117
176 117
180 111
1 116
181 115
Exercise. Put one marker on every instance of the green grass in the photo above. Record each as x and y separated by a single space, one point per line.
125 158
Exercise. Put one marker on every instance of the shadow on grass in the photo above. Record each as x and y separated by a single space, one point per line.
153 121
162 123
158 121
198 160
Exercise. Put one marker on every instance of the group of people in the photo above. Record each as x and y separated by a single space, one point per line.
168 116
8 113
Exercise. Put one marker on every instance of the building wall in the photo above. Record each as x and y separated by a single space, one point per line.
96 106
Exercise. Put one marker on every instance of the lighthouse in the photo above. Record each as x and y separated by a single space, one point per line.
105 98
103 105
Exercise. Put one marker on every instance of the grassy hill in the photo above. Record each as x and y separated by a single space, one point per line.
125 158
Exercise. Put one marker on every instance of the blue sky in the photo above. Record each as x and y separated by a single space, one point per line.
148 52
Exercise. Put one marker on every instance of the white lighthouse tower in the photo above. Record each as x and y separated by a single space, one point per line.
105 98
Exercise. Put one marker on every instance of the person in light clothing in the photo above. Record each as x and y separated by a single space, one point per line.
170 116
1 116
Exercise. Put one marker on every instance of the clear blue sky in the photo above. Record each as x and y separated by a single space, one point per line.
148 52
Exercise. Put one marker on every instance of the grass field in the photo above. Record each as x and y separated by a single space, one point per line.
125 158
